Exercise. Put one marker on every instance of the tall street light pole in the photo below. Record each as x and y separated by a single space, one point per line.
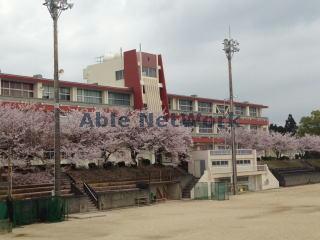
56 7
230 47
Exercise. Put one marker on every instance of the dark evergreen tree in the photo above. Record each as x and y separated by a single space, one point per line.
276 128
291 125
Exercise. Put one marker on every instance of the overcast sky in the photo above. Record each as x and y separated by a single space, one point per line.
278 64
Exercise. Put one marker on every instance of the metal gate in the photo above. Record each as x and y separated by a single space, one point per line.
220 191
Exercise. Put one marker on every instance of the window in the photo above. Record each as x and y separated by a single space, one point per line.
243 162
253 127
49 154
204 107
220 163
119 99
253 112
89 96
205 127
64 94
120 75
48 93
222 109
16 89
223 125
205 147
243 179
185 105
240 110
188 122
149 72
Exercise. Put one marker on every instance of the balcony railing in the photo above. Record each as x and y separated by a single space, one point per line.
177 111
228 152
262 167
62 103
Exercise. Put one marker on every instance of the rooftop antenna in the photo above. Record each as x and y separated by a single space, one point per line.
229 32
99 59
121 52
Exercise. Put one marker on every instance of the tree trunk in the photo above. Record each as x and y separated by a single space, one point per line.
134 155
9 178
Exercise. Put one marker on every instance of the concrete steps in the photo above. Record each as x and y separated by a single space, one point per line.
186 191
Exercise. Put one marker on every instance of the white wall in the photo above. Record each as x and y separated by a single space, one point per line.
105 73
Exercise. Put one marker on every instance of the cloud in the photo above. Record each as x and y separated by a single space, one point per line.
276 66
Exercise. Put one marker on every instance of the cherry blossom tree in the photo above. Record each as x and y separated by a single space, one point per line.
263 141
282 143
24 131
308 143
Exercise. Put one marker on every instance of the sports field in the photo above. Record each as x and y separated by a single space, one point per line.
287 213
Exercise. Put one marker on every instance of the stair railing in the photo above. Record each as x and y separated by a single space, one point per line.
91 193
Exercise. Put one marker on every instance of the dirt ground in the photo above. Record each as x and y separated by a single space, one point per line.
287 213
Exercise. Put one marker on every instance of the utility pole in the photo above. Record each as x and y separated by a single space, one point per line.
56 7
230 47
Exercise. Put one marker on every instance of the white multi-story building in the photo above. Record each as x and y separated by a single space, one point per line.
136 80
212 166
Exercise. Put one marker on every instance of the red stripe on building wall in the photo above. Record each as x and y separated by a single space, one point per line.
132 77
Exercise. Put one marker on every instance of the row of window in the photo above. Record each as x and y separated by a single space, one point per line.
25 90
206 107
207 127
226 163
16 89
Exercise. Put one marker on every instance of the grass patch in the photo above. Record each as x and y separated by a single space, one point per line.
314 162
276 164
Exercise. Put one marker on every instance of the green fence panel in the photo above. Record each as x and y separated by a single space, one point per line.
39 210
56 210
220 191
5 225
24 212
201 191
3 210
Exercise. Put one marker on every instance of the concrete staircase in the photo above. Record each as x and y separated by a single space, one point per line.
91 205
186 191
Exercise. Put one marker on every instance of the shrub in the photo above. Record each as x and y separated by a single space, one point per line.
268 158
121 164
107 165
142 185
92 166
145 162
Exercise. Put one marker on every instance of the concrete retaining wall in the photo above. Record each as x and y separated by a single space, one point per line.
301 178
77 204
120 199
